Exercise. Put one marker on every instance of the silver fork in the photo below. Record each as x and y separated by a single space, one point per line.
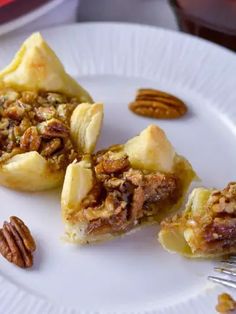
227 267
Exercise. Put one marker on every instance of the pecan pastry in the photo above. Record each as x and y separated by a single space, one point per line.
207 227
125 186
46 119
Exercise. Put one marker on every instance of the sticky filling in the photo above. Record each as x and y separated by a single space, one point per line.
123 197
210 230
216 230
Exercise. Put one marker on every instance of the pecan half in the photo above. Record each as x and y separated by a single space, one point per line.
30 141
157 104
17 243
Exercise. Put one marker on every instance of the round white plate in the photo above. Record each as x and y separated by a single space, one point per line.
132 274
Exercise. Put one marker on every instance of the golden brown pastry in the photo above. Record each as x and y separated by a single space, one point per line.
206 228
46 119
123 187
226 304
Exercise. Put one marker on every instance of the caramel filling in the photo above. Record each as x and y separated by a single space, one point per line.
214 228
218 228
123 197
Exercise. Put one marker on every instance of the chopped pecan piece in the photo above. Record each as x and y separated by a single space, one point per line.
220 229
110 163
55 98
93 197
24 125
30 141
51 147
4 124
119 222
64 111
224 201
17 243
226 304
15 112
53 128
114 202
28 97
115 223
45 113
137 204
159 187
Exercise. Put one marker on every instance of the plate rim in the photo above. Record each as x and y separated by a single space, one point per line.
137 25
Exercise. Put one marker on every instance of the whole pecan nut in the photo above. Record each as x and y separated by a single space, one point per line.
17 243
157 104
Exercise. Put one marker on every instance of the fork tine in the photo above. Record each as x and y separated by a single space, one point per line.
224 282
232 257
225 271
228 262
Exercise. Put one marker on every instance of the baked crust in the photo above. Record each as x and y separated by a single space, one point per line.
46 119
207 227
114 191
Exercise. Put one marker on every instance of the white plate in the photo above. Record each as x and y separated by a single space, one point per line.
133 274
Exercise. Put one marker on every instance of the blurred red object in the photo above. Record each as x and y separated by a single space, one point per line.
211 19
5 2
12 9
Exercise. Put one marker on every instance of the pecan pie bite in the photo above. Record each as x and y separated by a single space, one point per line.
125 186
207 227
46 119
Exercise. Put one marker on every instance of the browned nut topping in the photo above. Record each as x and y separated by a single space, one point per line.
17 243
108 164
29 97
53 128
51 147
157 104
15 112
37 121
30 140
56 98
45 113
226 304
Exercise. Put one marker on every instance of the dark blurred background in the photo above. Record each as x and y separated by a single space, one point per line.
214 20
